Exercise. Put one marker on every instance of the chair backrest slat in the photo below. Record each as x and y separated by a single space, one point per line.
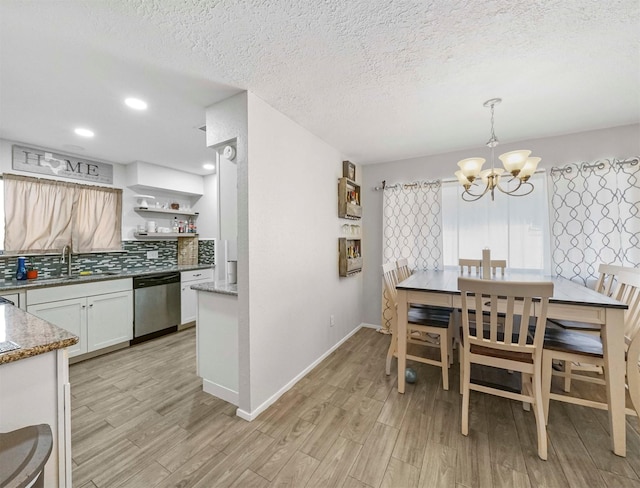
498 263
628 291
390 281
403 269
516 301
469 265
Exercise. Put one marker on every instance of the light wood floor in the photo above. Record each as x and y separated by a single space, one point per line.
140 419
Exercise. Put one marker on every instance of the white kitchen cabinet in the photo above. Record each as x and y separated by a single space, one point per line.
100 314
217 345
17 297
70 315
109 320
188 297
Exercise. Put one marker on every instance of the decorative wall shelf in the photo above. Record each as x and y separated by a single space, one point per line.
162 235
350 256
349 199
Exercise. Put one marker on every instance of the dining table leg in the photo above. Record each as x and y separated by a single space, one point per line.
612 334
402 338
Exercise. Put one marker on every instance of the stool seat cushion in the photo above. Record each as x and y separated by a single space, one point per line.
23 454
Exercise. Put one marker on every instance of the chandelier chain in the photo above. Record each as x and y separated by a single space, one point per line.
493 142
518 166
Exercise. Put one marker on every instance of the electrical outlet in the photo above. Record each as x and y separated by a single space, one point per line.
152 254
332 320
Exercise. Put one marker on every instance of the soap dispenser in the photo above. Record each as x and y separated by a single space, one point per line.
21 271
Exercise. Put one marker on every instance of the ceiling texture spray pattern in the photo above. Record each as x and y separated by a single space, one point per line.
378 80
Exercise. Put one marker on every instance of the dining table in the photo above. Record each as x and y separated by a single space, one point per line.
570 301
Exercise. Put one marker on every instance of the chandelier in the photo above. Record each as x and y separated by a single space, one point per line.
518 167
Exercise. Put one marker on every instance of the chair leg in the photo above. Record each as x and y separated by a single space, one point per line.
540 415
461 365
547 371
466 368
452 336
390 353
444 358
567 376
526 406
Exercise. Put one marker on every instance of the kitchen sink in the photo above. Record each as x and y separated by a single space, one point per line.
77 277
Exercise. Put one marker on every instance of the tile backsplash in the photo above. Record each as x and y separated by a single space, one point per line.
133 257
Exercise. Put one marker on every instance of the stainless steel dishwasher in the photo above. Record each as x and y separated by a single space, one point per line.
156 301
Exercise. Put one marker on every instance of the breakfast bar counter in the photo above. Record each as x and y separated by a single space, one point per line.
217 339
34 335
35 384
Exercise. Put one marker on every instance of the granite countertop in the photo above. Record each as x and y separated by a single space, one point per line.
8 285
33 335
221 287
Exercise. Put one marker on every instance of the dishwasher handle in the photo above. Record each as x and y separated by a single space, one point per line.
156 280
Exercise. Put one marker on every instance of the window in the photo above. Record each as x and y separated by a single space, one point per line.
514 228
44 215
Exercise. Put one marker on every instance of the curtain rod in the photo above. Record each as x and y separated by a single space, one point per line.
599 164
415 184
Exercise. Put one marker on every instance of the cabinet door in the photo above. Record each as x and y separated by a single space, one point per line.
188 302
109 319
66 314
188 296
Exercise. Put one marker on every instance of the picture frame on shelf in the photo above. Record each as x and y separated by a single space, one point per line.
349 170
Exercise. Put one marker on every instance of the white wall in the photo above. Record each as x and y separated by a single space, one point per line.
293 232
619 142
207 207
130 218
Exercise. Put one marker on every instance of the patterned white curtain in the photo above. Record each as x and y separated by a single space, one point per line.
412 229
595 217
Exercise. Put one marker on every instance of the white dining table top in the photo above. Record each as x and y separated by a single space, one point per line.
564 290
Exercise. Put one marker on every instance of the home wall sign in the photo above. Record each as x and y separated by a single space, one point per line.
55 164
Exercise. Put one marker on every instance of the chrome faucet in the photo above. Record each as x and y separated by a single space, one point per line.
66 250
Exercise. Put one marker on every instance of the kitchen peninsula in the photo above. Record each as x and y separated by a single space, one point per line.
35 384
217 339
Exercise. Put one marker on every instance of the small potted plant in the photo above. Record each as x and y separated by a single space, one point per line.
32 273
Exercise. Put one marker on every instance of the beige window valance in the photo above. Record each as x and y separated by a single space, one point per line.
45 215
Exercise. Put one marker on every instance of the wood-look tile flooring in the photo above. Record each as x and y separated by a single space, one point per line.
140 419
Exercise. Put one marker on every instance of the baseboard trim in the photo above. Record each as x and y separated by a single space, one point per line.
371 326
220 391
249 416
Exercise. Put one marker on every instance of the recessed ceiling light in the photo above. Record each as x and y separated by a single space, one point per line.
136 103
84 132
209 166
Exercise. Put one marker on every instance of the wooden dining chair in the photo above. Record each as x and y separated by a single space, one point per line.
470 266
403 272
505 346
423 324
606 285
573 346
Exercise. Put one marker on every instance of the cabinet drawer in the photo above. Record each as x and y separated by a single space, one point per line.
197 274
502 305
75 290
592 315
435 299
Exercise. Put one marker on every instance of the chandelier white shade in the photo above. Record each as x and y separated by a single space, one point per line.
518 165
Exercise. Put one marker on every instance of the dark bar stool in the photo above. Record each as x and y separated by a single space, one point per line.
23 454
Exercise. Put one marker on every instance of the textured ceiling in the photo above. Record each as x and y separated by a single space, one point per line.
378 80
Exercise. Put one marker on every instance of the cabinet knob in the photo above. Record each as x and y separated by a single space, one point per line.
84 306
91 305
199 274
